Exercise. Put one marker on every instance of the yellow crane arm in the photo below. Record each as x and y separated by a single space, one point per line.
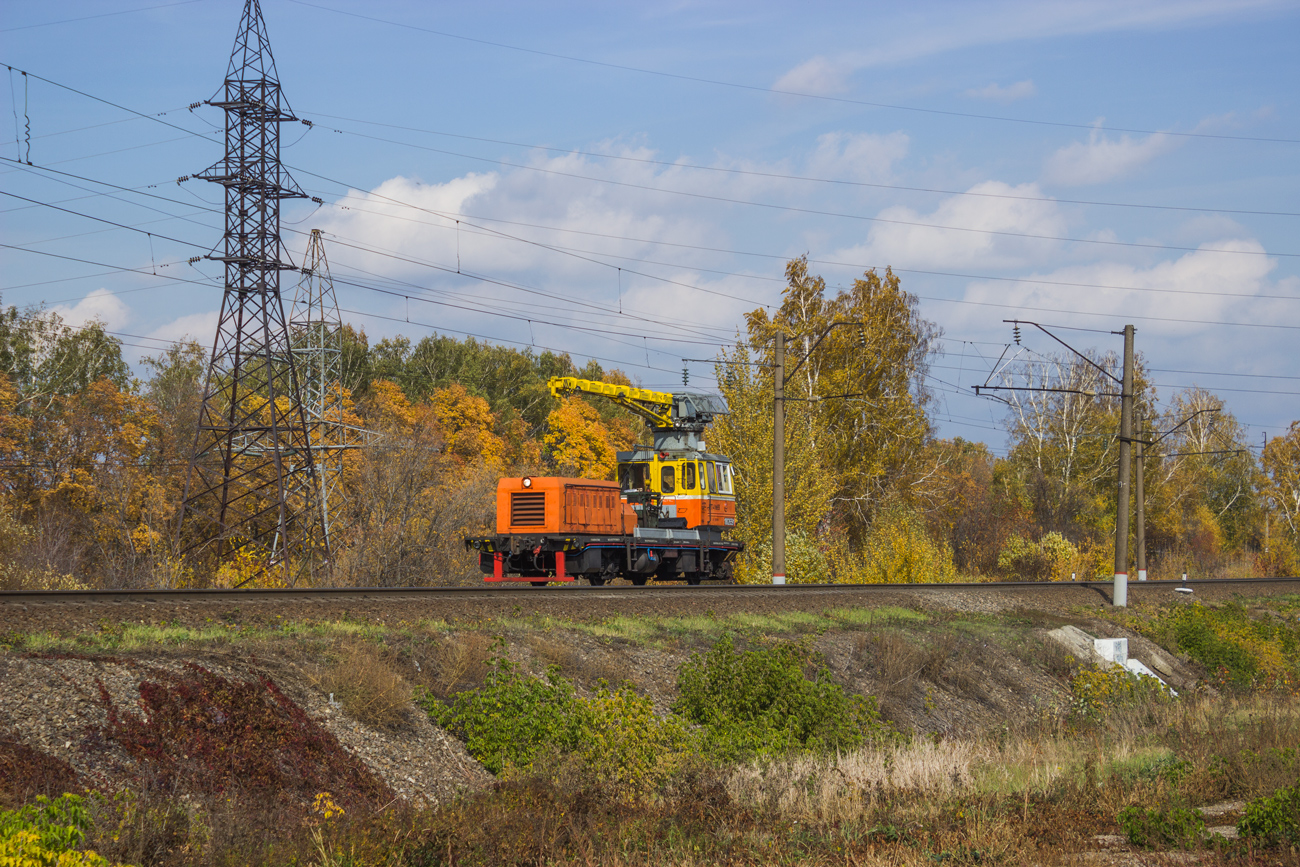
655 407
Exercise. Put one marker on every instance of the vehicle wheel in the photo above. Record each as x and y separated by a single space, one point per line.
694 578
596 580
639 580
538 583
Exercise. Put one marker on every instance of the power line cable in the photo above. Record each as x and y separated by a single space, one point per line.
863 267
817 212
943 300
782 92
597 310
1188 249
478 277
677 164
498 313
109 222
502 234
100 15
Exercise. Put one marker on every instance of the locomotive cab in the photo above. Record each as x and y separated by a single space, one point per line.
694 487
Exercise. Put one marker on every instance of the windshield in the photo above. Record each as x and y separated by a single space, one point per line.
632 477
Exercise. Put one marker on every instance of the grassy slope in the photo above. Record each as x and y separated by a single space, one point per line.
1014 759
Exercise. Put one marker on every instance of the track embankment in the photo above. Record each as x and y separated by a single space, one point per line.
78 610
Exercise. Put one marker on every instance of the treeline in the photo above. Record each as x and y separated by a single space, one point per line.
93 460
872 495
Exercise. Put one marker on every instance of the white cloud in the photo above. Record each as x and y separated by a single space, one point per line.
553 204
1237 277
862 157
914 32
199 327
1010 93
1102 158
818 76
909 240
100 305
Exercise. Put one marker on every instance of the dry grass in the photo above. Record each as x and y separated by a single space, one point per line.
368 688
587 668
895 658
845 787
455 663
901 661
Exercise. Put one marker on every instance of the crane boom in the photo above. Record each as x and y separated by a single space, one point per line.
677 421
656 407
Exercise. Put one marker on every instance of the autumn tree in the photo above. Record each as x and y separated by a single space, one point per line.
1280 488
967 504
1203 503
1064 427
411 499
856 425
465 425
578 444
44 358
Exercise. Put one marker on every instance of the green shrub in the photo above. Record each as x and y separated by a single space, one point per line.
47 832
614 739
1098 689
620 742
1244 652
1177 827
759 702
1273 819
806 561
512 718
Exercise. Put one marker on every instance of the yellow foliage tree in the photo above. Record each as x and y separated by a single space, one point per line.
578 443
1281 483
466 423
856 430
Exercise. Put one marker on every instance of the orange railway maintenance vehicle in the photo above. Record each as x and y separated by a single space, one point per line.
665 518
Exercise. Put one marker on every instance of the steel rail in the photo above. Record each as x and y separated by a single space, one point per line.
394 593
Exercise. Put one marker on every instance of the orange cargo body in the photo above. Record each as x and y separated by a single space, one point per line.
549 504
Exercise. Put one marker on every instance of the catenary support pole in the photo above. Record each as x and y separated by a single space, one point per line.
1140 494
1120 595
778 463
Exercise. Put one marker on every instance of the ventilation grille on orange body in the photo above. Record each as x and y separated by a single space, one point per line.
527 508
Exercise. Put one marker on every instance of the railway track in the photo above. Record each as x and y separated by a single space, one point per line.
576 592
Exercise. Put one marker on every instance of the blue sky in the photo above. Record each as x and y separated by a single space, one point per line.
1081 164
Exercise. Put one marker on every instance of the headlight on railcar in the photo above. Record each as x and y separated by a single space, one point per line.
527 482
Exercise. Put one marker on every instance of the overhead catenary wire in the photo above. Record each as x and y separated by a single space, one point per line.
943 300
830 262
905 272
1029 282
678 164
836 214
140 114
784 92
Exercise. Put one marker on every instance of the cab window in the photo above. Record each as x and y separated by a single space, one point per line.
724 478
688 477
713 475
632 477
667 480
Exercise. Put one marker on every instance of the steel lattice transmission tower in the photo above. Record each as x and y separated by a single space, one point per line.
317 332
252 480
